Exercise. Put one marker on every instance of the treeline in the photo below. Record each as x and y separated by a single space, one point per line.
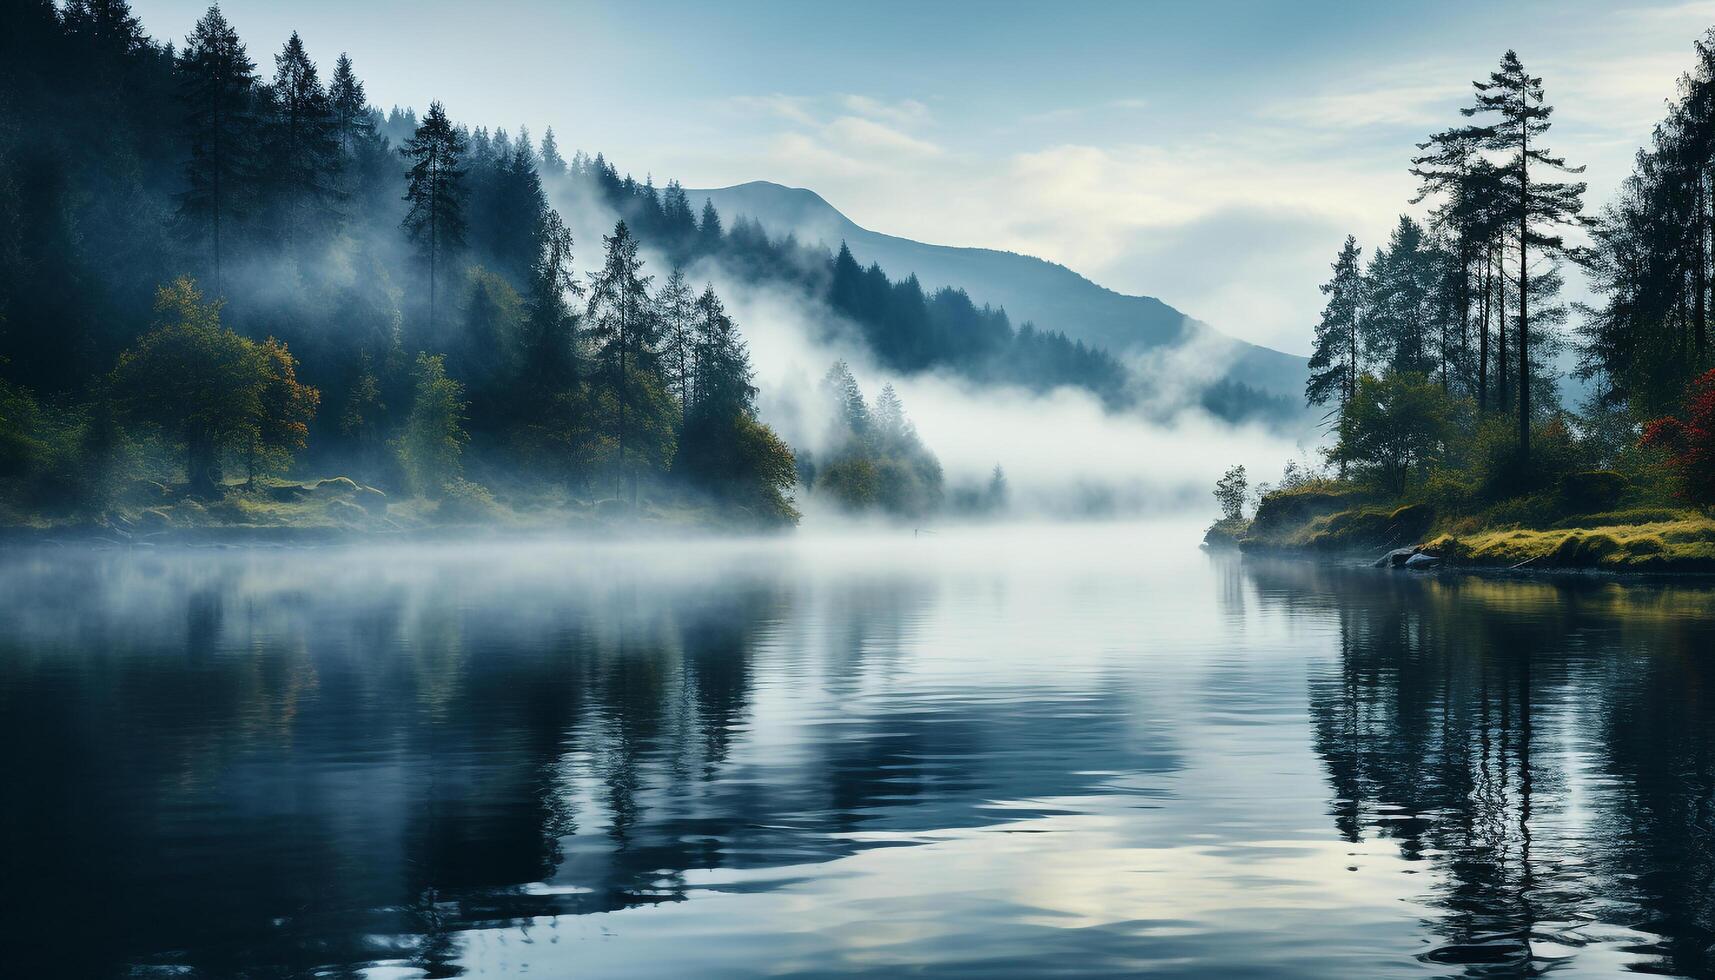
410 272
1436 359
905 327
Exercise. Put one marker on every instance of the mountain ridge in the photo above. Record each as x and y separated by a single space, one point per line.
1029 288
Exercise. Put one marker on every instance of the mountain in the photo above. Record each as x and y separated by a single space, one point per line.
1028 288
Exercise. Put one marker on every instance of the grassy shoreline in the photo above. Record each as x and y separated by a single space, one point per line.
338 510
1642 540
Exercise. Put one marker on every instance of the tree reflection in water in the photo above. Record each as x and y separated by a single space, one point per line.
1547 748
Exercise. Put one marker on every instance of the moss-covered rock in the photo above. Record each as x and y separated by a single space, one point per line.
1355 529
465 502
1224 535
334 487
1687 545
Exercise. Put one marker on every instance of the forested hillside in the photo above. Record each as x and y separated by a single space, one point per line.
218 263
1028 288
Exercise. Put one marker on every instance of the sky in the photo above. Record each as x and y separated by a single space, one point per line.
1211 154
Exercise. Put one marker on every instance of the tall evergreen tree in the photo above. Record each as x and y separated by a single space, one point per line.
723 382
622 323
1399 324
217 81
553 164
678 221
435 192
552 357
352 125
1513 102
367 171
710 235
1334 364
1651 255
300 150
675 309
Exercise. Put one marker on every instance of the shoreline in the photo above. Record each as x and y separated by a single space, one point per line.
1626 543
1366 560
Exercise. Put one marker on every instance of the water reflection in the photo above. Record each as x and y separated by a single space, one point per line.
1067 759
1547 748
277 763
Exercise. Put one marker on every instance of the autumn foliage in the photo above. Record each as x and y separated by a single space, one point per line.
1689 439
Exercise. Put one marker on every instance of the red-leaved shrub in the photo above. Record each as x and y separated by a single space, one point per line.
1689 440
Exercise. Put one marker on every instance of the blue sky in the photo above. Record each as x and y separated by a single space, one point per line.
1211 154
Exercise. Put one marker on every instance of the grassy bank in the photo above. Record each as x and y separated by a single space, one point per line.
1546 532
338 509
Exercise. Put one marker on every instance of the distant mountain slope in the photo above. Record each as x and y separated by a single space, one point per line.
1029 288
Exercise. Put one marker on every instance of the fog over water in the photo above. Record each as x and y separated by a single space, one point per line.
1044 749
1064 453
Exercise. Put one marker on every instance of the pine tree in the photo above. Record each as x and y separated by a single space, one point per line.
851 411
1651 259
300 152
1516 100
678 222
217 81
723 375
366 170
552 357
675 310
621 321
353 127
1452 168
887 421
553 164
435 192
1399 290
709 233
1334 363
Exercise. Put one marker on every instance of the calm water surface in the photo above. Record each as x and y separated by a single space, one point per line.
1052 751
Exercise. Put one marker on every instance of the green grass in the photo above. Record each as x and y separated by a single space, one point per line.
1369 526
1534 531
1685 543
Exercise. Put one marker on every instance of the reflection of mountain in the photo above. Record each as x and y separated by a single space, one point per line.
277 761
1535 745
1028 288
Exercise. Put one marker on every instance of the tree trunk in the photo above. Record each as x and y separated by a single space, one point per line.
1701 274
1483 337
1503 388
199 463
1524 293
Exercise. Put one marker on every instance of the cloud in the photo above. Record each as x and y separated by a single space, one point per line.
1424 105
843 137
867 135
793 108
904 113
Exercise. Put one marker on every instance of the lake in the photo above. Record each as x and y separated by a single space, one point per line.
1061 751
